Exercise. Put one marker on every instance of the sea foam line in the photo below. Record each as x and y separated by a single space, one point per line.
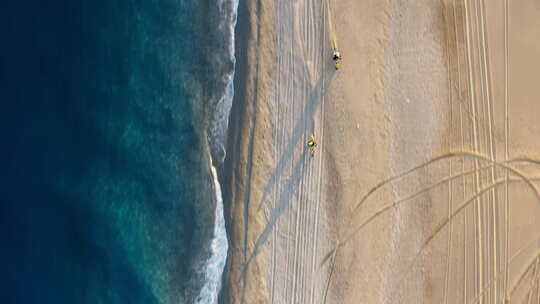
219 245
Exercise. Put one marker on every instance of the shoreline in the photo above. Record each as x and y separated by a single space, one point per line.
225 172
338 177
400 99
238 165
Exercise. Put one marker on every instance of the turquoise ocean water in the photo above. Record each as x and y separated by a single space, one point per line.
112 115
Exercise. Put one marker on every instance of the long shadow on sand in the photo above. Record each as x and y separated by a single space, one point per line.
297 138
282 204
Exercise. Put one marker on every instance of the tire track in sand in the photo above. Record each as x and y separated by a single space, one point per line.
490 211
459 40
450 104
278 142
314 274
302 253
304 198
294 189
478 230
506 156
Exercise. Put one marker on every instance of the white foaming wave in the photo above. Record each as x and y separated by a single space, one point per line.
218 248
220 122
220 118
218 130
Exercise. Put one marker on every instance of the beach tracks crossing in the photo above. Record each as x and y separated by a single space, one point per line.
468 191
293 195
460 251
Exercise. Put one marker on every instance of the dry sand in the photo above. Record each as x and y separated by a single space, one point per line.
445 88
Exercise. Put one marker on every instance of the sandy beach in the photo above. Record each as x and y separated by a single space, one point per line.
424 184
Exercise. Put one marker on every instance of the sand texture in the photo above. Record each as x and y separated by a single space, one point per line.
424 187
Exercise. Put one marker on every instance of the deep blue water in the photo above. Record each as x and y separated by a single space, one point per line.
105 187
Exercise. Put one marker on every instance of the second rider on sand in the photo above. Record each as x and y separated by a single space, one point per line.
336 56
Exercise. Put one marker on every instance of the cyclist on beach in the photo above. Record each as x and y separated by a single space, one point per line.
336 56
312 144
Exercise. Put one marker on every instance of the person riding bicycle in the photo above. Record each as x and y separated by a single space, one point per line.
336 56
311 143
